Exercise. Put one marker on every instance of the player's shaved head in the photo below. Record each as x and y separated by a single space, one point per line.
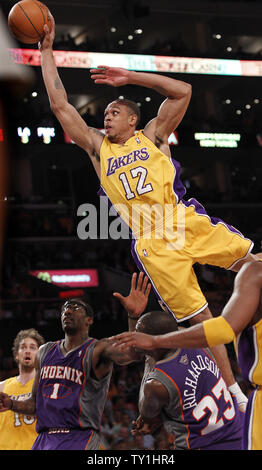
156 323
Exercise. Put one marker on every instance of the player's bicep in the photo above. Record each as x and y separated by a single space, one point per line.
171 113
73 124
245 299
37 371
79 132
155 396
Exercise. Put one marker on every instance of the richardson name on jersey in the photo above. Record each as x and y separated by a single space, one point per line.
114 163
191 381
61 372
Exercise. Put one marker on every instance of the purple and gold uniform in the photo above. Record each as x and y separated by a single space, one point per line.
17 431
69 401
201 413
169 233
249 354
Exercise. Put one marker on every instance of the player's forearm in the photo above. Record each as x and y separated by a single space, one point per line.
26 407
132 323
193 337
166 86
54 86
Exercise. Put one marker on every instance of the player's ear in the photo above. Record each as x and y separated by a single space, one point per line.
133 119
89 321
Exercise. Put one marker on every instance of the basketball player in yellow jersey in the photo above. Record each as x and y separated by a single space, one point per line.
241 322
138 174
17 432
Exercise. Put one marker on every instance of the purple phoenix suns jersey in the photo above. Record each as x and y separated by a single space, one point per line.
201 413
67 395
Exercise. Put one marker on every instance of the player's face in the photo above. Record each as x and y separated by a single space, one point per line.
73 317
116 120
26 354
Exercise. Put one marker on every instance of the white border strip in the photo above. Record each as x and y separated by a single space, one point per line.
252 369
250 424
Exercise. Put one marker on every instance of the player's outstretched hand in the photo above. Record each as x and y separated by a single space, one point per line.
5 402
114 76
135 339
136 302
48 39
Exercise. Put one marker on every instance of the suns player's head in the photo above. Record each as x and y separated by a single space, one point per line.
121 118
156 323
76 315
25 347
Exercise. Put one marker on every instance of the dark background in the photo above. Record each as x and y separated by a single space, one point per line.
47 183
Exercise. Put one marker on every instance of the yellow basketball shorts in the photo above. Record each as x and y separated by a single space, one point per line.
252 439
168 261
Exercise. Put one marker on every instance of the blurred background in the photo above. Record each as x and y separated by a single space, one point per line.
48 177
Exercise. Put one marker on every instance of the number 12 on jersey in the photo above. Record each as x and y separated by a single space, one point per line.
141 188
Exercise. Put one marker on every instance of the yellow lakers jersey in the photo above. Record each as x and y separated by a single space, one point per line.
141 182
249 353
17 432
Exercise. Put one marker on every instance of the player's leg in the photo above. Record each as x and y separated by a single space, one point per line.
213 241
172 277
250 257
252 439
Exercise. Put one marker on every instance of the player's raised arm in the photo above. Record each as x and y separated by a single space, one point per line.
172 110
84 136
136 302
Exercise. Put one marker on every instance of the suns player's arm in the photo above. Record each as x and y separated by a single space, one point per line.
105 355
136 301
243 308
86 137
155 397
26 407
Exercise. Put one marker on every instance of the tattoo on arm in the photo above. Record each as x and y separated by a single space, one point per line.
94 152
58 84
158 141
96 131
160 90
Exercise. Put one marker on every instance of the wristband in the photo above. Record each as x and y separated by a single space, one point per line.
12 404
218 331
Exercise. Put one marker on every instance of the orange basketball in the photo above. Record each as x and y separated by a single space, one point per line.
26 21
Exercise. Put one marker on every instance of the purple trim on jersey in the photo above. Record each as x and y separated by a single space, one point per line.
246 351
214 220
178 187
101 192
